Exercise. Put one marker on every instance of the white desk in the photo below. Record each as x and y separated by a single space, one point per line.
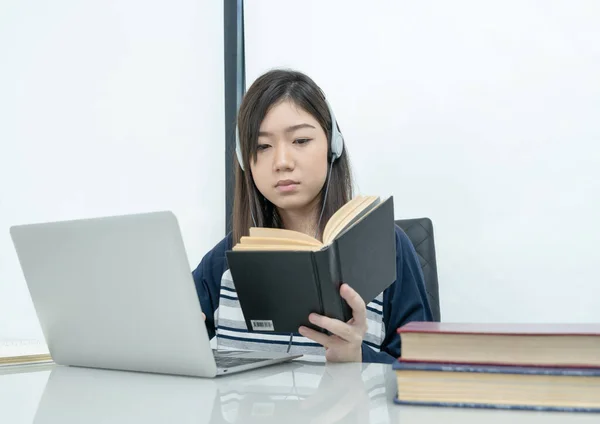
289 393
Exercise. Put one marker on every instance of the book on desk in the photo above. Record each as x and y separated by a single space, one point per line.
281 276
508 366
17 352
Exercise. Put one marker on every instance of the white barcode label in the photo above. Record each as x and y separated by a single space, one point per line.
260 325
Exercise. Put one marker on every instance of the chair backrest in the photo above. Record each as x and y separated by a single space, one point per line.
420 233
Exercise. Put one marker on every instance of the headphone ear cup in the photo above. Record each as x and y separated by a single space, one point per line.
337 140
337 146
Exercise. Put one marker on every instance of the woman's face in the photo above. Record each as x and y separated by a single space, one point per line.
291 158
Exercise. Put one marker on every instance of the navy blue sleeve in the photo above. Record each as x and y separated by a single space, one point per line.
207 278
404 301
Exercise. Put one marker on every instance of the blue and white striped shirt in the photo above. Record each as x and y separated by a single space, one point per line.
404 301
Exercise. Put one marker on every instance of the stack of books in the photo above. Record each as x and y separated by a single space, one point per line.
506 366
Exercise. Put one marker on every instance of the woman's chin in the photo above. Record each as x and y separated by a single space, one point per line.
291 202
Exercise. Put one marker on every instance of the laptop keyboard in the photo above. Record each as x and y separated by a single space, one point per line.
232 361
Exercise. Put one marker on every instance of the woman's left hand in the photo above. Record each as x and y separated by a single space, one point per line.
345 343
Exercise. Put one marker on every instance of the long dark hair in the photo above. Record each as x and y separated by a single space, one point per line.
270 89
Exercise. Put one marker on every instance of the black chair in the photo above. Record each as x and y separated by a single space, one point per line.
420 233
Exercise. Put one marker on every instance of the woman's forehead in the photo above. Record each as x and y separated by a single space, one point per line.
285 114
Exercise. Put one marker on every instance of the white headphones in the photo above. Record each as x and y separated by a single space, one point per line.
337 140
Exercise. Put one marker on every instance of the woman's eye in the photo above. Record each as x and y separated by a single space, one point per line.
262 147
302 140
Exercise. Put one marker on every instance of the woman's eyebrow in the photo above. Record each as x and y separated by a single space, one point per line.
287 130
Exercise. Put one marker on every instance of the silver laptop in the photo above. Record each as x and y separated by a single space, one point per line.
118 293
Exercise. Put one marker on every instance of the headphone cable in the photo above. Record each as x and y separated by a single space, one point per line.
324 199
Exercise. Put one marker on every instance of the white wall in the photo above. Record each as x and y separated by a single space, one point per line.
483 116
108 107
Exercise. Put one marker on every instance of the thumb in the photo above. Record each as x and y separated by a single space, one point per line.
203 316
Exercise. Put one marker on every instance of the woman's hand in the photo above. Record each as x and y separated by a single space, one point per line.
345 343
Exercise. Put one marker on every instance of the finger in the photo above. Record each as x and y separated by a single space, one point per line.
203 316
335 326
359 309
323 339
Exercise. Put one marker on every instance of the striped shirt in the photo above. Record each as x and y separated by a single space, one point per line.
403 301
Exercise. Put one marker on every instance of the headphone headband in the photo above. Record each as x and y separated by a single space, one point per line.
337 140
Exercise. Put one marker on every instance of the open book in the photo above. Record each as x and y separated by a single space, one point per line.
279 239
282 276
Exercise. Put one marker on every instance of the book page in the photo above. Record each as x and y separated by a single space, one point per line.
277 240
286 247
339 215
284 234
281 239
365 206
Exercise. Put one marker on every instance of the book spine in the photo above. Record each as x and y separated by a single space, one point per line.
337 279
317 281
328 284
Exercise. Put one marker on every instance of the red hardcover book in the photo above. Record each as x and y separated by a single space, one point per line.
550 345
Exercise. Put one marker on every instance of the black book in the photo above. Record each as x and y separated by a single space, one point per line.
281 276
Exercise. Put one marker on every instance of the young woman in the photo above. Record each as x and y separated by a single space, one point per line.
292 171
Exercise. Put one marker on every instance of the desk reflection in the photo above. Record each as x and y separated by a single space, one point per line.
288 393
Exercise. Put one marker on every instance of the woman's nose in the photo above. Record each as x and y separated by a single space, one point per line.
283 158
